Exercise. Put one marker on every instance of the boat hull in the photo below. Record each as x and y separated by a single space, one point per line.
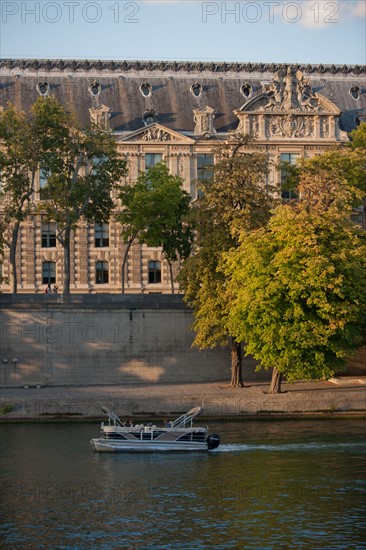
102 445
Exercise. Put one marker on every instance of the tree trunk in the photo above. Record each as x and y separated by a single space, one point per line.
12 259
171 276
275 386
236 373
66 287
129 243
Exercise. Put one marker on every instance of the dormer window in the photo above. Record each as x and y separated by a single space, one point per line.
196 89
43 88
95 88
246 89
100 116
146 89
203 121
355 92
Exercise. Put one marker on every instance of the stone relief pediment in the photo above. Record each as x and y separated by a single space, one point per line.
287 109
159 133
290 92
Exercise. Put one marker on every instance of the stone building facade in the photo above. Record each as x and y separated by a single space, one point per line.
176 112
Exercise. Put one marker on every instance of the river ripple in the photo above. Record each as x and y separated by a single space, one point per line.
270 485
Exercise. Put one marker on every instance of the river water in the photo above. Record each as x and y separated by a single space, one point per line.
270 485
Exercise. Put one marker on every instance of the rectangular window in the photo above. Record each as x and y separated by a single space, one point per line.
151 159
154 272
292 159
101 273
43 180
48 235
205 162
101 235
97 162
48 273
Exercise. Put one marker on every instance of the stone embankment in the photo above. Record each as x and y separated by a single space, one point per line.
340 396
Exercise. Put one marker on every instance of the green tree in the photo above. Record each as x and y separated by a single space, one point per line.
333 181
82 168
296 290
235 197
20 154
358 138
154 211
340 171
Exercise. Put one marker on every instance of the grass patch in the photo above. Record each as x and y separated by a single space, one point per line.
6 409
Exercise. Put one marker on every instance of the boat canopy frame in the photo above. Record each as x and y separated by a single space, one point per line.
180 422
113 418
186 418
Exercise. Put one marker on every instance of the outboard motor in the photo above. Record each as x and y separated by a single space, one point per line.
213 441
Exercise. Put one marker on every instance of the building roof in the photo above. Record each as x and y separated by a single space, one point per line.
169 90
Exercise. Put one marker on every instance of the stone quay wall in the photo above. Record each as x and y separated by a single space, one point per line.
55 340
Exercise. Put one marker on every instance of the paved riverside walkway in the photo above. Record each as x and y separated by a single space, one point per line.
346 396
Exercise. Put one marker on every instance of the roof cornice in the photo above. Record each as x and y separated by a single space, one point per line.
175 66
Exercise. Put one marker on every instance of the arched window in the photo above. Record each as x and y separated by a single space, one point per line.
49 273
101 273
154 272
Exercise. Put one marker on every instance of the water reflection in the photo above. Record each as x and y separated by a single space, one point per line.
270 485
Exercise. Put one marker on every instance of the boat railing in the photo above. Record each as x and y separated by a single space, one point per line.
186 418
113 417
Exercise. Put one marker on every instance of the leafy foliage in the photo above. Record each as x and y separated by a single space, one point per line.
81 167
20 154
82 170
334 179
296 291
234 198
155 210
358 138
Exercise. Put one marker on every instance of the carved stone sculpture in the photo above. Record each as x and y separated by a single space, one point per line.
291 92
291 126
157 134
149 117
203 120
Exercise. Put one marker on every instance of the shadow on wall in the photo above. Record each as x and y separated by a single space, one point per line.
91 339
88 339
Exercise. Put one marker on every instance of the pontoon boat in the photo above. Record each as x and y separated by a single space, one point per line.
178 435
